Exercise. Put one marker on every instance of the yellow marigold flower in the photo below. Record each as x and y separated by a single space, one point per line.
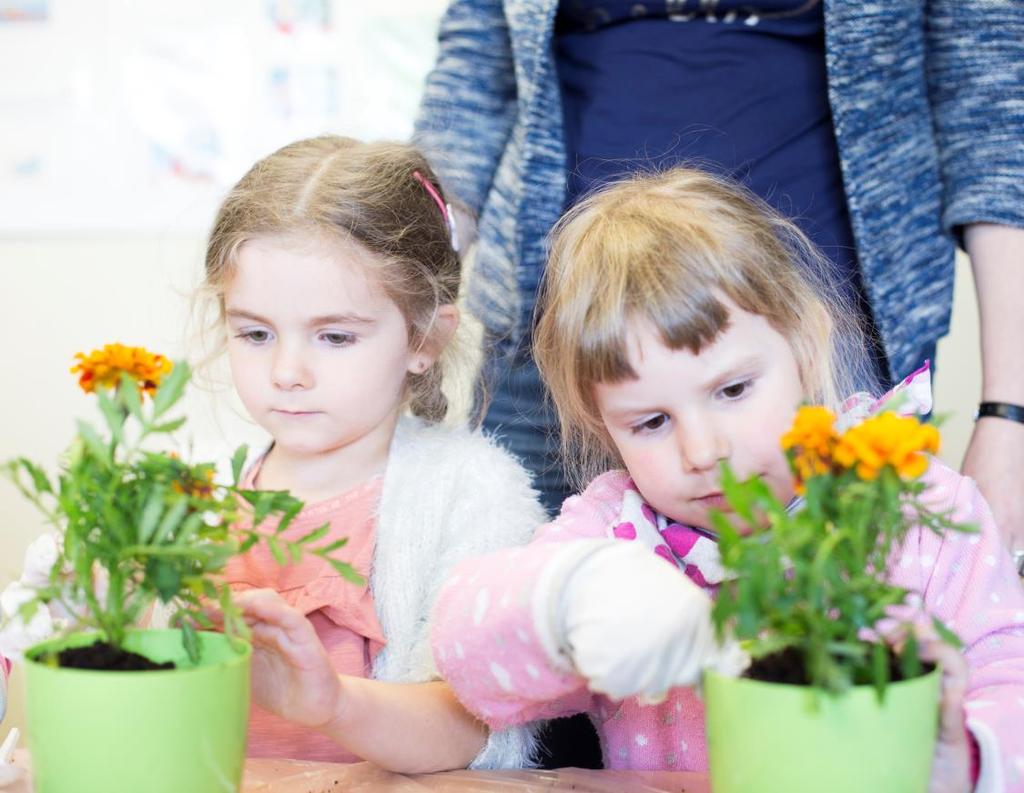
812 430
887 439
811 439
104 367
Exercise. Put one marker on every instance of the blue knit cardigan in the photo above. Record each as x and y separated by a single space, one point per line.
928 102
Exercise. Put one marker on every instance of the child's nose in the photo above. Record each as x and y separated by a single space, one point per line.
702 444
290 369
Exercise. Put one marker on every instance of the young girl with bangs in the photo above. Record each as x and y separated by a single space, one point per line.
681 326
333 270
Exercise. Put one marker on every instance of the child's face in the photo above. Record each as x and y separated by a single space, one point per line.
319 354
685 413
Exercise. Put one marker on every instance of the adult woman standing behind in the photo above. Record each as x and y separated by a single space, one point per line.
886 130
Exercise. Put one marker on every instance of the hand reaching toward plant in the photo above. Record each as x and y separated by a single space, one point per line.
403 727
630 623
292 676
951 766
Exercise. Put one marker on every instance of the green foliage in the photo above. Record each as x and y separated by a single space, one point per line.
141 525
814 579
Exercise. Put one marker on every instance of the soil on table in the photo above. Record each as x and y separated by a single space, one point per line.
101 655
788 667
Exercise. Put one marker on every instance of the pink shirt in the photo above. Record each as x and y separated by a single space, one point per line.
342 613
487 648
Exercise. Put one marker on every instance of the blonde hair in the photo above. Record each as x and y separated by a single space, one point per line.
666 249
338 189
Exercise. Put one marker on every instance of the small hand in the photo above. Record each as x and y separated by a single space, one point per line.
292 676
951 764
995 460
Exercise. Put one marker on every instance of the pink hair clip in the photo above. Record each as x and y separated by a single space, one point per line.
446 209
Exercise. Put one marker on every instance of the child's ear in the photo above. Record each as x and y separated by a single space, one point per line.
439 334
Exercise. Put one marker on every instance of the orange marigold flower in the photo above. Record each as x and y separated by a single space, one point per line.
104 367
811 439
887 439
199 486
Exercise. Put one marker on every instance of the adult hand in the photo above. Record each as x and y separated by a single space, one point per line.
292 676
995 460
633 624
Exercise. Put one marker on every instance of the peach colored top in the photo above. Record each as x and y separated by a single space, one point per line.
342 613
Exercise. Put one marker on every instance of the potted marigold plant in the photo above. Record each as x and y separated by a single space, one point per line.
825 690
138 525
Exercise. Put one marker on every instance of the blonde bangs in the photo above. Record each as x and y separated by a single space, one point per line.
669 250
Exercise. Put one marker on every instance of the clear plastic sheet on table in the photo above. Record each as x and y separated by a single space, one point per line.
298 776
290 776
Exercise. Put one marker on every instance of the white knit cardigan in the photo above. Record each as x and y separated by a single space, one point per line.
447 494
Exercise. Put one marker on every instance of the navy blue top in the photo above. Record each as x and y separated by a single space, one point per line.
735 86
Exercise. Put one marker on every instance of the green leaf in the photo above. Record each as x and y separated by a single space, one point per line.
189 528
190 639
317 534
768 645
910 660
164 577
93 443
333 546
880 669
172 518
250 540
113 415
737 494
128 394
150 515
171 389
40 481
263 504
346 571
169 426
237 461
203 621
275 549
946 634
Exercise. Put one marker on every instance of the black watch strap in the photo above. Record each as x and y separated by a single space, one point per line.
1002 410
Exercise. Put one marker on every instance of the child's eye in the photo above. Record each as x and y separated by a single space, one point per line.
651 424
255 336
736 390
337 339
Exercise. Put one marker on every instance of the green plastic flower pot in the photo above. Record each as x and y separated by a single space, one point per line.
773 737
176 731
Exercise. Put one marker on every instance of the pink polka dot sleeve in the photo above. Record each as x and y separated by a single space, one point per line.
483 637
969 582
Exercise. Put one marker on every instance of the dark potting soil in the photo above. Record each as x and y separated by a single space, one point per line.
788 667
784 667
101 655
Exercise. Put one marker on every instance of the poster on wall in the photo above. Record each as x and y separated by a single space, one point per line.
128 116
